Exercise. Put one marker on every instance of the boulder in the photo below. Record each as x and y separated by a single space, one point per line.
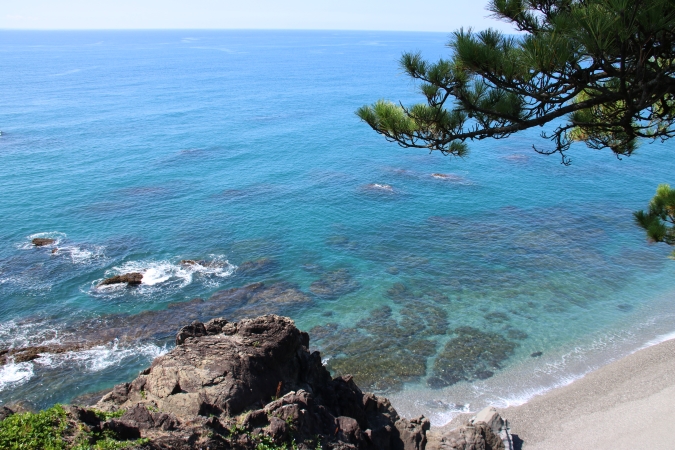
476 436
40 242
497 424
487 430
133 278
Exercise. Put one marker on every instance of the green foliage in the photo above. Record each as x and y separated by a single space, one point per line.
601 70
267 443
40 431
659 220
51 430
106 415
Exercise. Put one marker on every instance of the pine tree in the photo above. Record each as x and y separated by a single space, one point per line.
659 220
600 71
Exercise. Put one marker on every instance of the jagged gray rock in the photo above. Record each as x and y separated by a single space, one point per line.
487 430
497 424
227 384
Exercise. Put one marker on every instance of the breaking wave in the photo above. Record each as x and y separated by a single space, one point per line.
167 274
100 357
13 374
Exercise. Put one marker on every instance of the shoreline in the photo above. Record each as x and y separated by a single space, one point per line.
624 404
521 382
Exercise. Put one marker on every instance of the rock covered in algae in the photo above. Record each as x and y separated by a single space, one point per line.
256 267
472 355
380 352
334 284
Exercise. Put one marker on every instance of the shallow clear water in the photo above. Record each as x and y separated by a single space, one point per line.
136 150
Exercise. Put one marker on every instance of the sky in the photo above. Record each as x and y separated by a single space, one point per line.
395 15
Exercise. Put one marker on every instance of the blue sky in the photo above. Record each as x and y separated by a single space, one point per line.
403 15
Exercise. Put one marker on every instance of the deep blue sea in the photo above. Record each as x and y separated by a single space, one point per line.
433 279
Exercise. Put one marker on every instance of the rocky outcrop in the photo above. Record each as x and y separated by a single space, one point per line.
255 384
235 385
133 278
41 242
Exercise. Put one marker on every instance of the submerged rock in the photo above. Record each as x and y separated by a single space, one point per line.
334 284
472 355
204 263
380 187
30 353
256 267
518 335
447 177
40 242
247 301
380 352
133 278
242 384
124 329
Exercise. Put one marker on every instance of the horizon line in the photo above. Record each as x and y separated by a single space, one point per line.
233 29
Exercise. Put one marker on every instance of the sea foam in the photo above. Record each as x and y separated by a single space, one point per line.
13 374
167 274
101 356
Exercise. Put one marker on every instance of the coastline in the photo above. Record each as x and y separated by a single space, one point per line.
624 404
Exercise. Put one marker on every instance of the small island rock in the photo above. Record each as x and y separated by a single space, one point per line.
133 278
41 242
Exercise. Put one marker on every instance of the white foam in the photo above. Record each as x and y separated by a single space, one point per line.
154 273
100 357
381 186
658 340
13 374
17 335
83 255
167 274
216 265
160 274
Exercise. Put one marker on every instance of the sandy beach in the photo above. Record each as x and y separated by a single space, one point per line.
627 404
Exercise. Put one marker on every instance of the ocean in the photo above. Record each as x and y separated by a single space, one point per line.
446 284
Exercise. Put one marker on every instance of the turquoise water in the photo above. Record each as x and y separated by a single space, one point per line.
136 150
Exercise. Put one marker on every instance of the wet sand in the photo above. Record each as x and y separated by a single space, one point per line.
627 404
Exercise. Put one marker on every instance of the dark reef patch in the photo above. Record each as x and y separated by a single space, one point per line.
257 267
517 335
334 284
380 351
472 355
